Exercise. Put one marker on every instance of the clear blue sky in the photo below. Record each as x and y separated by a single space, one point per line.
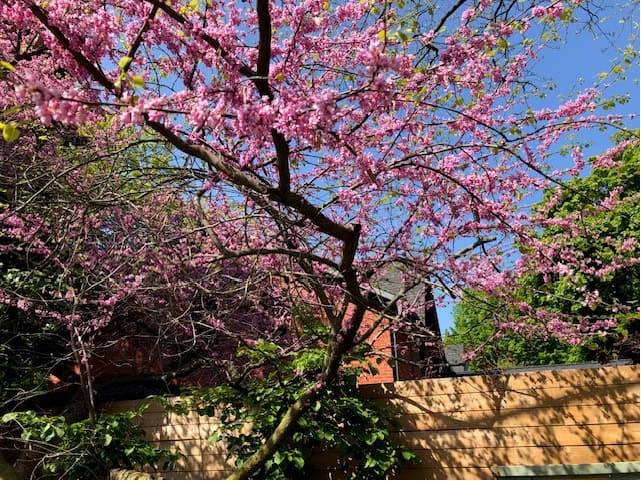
583 56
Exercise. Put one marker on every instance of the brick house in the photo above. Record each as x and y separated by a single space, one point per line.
137 364
410 359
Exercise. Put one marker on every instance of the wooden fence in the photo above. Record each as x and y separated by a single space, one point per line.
464 428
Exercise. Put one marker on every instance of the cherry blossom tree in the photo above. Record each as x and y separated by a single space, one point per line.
316 146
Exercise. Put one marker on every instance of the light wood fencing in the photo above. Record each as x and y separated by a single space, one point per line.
464 428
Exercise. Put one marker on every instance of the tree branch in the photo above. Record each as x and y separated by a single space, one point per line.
239 178
138 41
264 38
287 424
42 16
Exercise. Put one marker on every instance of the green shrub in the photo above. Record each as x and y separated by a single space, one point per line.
355 429
86 450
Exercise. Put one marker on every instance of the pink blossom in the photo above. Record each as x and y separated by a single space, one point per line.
467 14
539 11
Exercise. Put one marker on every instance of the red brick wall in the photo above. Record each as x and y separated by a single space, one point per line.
381 341
137 357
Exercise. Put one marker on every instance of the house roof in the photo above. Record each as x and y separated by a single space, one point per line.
391 283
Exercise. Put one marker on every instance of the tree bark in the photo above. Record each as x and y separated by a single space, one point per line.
287 424
282 431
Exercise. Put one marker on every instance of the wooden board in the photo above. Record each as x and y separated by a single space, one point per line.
588 435
486 458
482 457
515 381
528 398
446 473
525 417
194 474
178 432
418 473
192 447
204 462
217 462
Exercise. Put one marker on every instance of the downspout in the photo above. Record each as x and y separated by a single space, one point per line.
397 376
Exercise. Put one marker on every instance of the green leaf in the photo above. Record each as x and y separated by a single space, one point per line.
7 66
502 43
138 81
278 457
108 439
408 455
370 463
10 132
9 417
298 462
371 438
124 62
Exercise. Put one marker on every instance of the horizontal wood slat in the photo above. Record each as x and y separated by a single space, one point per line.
481 457
525 417
164 418
519 455
530 398
194 474
192 447
175 432
602 376
417 473
446 473
587 435
205 462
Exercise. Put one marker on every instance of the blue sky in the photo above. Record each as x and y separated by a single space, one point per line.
576 64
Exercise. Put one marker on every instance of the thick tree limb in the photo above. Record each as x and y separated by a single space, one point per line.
287 424
83 61
264 38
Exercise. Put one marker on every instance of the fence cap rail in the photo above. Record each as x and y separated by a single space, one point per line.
553 470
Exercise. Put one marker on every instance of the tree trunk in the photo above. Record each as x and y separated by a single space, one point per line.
284 429
335 352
